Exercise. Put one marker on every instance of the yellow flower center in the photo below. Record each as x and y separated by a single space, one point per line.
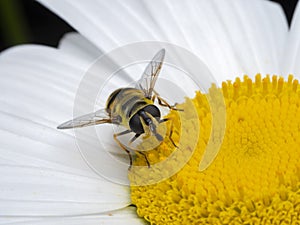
255 178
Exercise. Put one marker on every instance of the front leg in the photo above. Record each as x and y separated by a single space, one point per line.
126 149
171 130
163 102
123 146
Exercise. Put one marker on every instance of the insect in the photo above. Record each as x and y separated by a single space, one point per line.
132 108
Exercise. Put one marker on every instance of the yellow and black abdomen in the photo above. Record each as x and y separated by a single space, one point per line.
125 103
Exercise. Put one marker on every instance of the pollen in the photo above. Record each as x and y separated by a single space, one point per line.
254 177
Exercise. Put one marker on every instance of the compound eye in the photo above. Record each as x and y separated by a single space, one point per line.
136 125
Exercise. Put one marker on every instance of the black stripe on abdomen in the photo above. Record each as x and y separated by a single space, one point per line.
130 105
137 105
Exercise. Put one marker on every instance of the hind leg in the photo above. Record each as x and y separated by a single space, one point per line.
123 146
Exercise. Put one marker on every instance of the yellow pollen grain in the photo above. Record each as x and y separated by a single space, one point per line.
255 178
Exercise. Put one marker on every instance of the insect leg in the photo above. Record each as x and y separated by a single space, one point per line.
122 146
171 130
134 138
128 150
163 102
143 154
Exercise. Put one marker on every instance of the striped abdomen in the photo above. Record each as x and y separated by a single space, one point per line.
124 103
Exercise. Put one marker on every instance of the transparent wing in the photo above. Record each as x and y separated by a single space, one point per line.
149 77
98 117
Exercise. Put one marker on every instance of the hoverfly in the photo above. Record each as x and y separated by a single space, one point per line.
132 108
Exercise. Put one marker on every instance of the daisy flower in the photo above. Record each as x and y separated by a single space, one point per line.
254 179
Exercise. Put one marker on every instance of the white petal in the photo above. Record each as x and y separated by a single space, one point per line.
99 16
227 35
40 83
35 97
290 60
124 216
32 191
37 92
38 89
39 77
78 46
27 143
232 38
250 34
44 78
